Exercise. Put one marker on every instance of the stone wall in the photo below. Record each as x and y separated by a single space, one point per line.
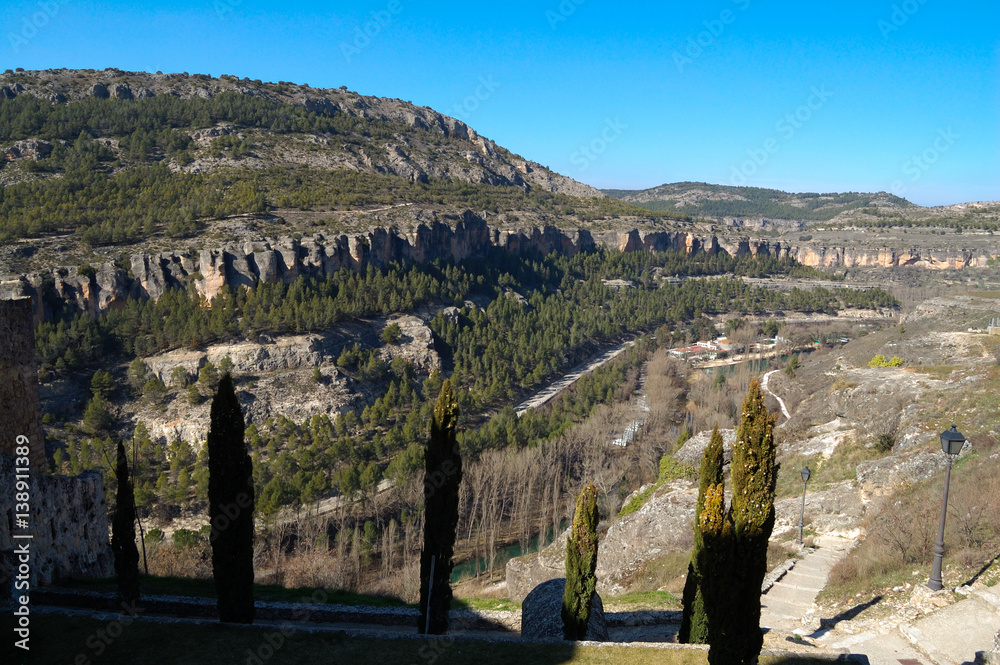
68 517
20 410
68 521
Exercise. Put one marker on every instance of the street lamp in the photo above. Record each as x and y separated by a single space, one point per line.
951 443
802 514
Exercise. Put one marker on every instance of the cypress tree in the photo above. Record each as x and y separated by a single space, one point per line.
231 506
739 536
694 622
443 474
123 533
581 563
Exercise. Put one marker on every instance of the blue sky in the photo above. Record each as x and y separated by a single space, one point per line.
848 96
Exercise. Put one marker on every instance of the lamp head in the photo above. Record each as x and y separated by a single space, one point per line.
952 441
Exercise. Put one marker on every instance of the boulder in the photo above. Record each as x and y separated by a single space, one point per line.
694 448
100 91
121 91
541 614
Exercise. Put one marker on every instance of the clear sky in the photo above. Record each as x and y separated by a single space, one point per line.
898 96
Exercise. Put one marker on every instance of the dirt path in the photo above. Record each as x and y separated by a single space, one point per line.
781 402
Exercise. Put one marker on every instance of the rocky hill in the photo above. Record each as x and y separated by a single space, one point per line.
423 143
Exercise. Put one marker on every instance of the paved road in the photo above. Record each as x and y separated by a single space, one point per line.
566 380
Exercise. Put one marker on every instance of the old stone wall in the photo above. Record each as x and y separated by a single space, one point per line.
67 517
68 522
20 410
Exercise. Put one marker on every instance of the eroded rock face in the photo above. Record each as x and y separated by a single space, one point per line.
541 614
858 257
245 264
886 476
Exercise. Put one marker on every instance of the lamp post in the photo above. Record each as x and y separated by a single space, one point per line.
951 443
802 514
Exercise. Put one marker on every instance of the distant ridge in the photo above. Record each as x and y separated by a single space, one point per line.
724 202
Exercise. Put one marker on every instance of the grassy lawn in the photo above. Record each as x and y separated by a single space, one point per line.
61 640
183 586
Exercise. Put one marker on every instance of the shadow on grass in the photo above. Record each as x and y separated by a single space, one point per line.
60 639
152 585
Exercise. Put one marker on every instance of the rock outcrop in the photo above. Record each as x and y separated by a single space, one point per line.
661 526
541 614
884 257
694 448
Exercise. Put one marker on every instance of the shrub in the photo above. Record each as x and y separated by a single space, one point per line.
880 361
581 563
185 538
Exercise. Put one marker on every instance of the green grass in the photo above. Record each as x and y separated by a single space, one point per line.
841 465
667 572
670 469
484 603
58 640
647 600
940 372
182 586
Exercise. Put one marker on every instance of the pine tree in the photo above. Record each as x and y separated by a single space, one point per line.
443 464
231 506
739 536
123 533
581 563
694 622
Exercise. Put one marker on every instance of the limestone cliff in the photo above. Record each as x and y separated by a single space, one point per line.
272 260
